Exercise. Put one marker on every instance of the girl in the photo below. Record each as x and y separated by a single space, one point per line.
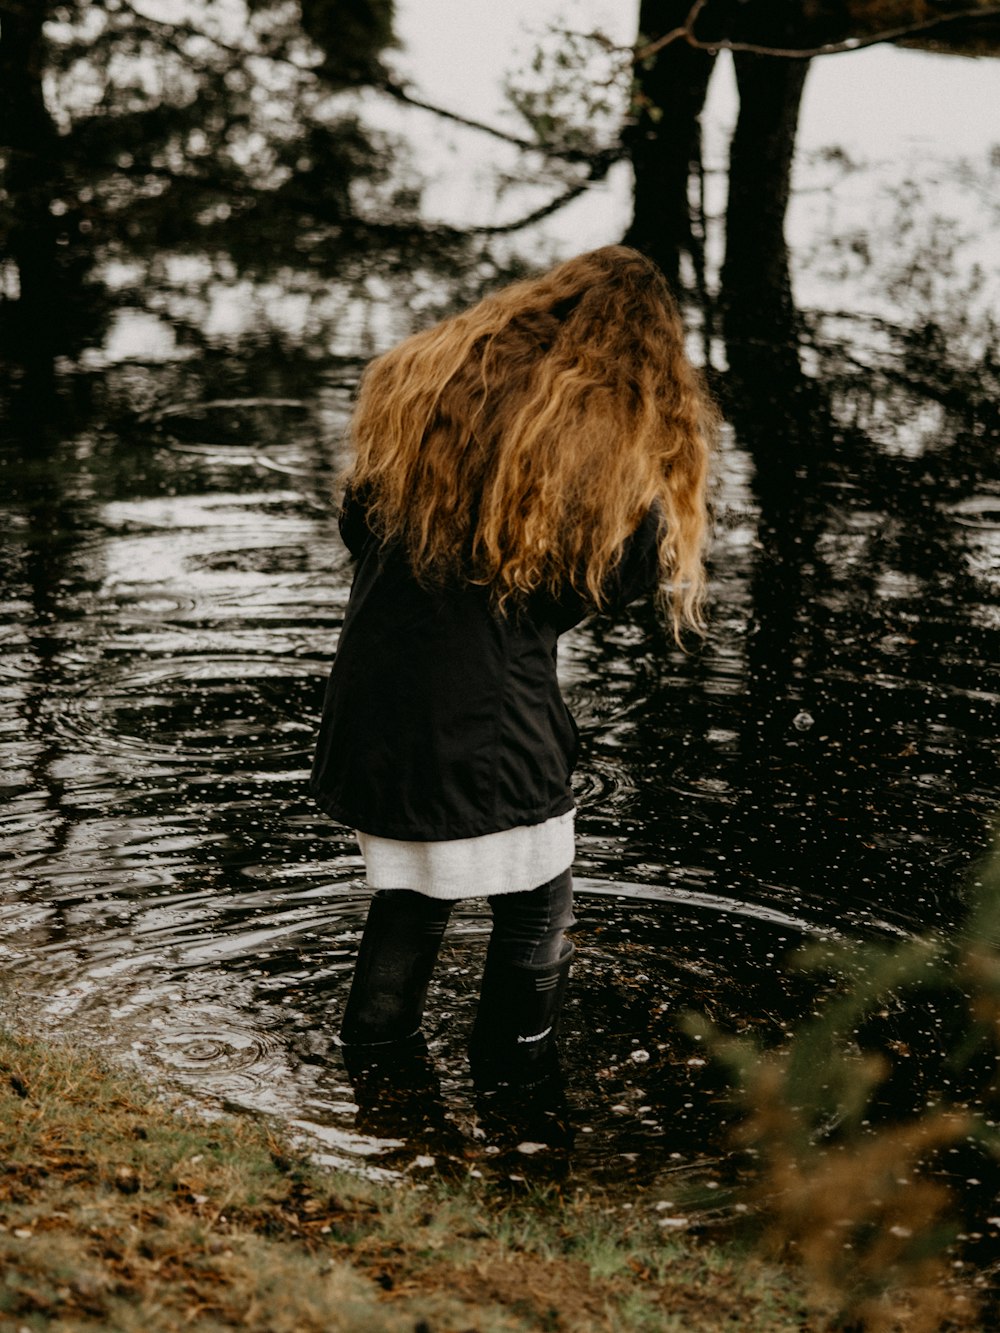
540 457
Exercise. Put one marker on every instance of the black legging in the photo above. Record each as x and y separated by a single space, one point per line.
528 927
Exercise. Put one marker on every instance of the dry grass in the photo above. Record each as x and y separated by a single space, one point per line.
869 1231
119 1212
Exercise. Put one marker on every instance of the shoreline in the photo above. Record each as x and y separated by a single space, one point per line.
119 1210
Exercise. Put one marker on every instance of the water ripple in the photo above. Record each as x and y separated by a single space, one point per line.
200 1047
206 708
979 511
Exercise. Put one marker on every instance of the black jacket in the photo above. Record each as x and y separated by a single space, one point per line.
442 718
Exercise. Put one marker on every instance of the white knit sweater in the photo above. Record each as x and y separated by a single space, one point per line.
511 861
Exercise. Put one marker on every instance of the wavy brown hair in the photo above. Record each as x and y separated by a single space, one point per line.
519 444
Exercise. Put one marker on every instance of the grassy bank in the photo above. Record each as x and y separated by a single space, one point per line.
119 1212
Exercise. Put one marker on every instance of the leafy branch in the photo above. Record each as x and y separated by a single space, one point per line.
176 30
173 33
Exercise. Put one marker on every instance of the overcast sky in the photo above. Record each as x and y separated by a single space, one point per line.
879 99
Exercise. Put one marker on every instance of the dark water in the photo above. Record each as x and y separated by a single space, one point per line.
173 591
825 764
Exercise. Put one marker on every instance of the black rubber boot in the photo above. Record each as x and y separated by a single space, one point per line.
396 957
513 1039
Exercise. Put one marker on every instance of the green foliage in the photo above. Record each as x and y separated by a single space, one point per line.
573 92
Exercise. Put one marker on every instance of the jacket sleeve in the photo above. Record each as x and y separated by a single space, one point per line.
638 570
353 521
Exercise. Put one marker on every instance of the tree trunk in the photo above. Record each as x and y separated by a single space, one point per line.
27 131
755 277
665 143
776 408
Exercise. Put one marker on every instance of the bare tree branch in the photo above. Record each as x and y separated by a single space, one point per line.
546 210
597 161
687 34
189 30
400 94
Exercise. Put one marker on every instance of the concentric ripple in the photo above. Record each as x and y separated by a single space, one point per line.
211 1051
979 511
201 708
227 420
603 784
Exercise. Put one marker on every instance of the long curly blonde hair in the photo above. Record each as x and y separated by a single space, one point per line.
520 443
